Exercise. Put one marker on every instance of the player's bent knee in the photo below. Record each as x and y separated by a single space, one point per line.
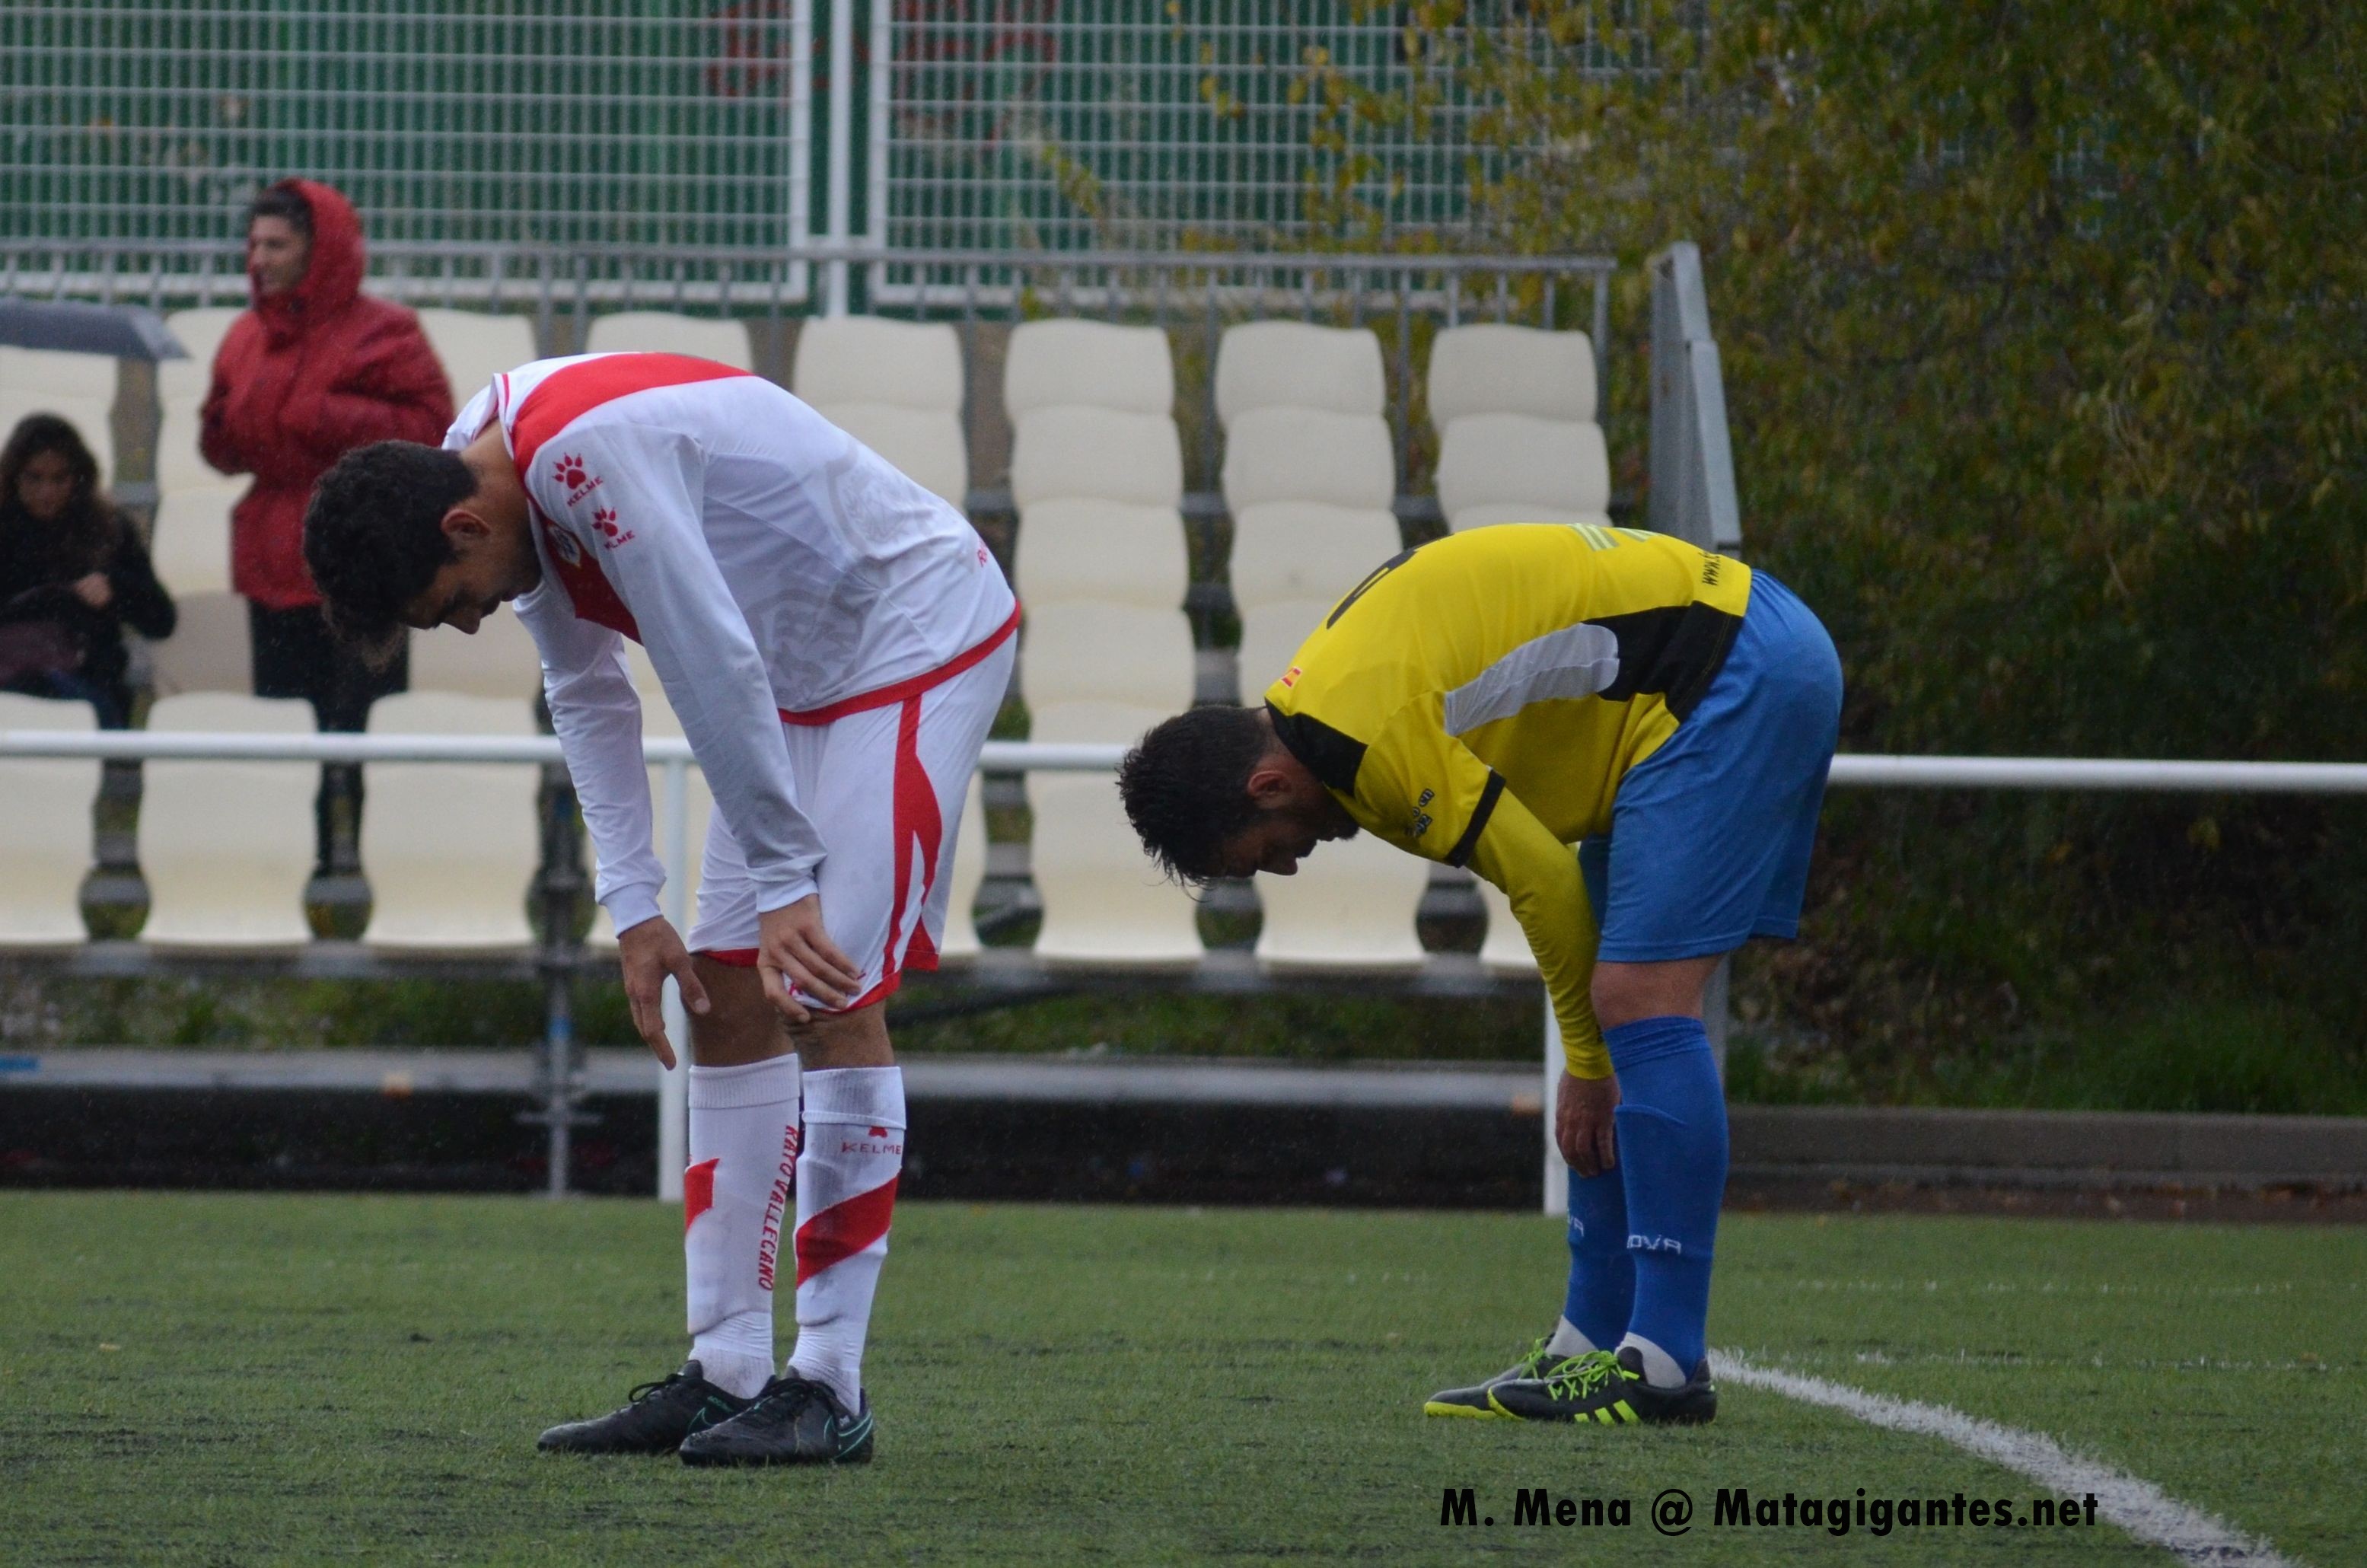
858 1038
1623 992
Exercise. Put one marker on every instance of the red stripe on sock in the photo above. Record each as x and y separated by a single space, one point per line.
697 1190
841 1230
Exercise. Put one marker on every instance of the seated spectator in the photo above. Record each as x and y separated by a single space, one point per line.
73 574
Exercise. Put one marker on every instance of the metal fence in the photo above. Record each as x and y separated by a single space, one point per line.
598 121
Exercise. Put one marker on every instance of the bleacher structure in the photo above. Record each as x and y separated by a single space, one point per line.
1286 459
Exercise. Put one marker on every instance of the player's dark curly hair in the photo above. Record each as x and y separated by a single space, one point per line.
1187 786
374 534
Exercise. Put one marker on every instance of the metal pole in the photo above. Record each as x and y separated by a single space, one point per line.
842 152
558 1077
674 1088
1556 1169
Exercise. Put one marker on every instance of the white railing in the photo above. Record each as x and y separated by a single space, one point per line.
675 760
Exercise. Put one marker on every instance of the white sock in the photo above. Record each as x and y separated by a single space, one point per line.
846 1195
743 1152
1660 1369
1567 1341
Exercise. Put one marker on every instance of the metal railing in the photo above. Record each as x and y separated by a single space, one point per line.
560 1073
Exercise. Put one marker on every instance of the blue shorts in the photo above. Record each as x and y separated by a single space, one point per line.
1710 834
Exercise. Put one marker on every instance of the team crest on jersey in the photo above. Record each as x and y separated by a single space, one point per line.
562 544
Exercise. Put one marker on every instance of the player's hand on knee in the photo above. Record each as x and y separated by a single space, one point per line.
648 953
1583 1127
793 949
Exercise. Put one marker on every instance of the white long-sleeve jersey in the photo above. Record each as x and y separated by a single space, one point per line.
775 569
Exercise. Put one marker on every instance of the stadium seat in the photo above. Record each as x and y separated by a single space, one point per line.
45 832
1515 408
450 848
670 332
1309 474
1115 552
896 386
961 943
499 660
1077 451
1095 651
190 542
474 347
227 846
1087 364
1506 949
1105 902
209 649
181 395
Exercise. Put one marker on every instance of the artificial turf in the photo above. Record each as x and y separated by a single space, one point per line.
236 1379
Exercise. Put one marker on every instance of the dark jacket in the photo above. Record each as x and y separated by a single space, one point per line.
301 378
39 565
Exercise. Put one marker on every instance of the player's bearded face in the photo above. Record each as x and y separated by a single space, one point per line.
1283 836
488 569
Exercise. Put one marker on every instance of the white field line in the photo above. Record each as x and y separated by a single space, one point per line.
2140 1507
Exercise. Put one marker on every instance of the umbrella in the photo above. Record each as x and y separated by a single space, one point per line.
127 332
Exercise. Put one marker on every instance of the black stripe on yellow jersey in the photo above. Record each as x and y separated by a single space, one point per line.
1477 700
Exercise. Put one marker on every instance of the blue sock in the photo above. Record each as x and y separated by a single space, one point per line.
1602 1273
1672 1149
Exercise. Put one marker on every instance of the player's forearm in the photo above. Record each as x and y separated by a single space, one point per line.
1540 875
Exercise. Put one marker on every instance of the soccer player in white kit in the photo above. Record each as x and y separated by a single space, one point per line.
836 641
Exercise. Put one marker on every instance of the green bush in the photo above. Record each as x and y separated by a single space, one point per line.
2043 331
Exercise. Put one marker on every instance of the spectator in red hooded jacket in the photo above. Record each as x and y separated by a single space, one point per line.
312 370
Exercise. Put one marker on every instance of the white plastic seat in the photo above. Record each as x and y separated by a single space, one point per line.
1105 902
450 847
181 394
669 332
1519 441
1285 550
1094 651
1052 364
1351 905
1506 949
499 660
1073 451
228 847
210 648
896 386
1522 460
45 832
961 944
1493 368
474 347
1288 364
1308 454
1115 550
190 542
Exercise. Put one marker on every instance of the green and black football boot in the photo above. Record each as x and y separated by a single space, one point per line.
655 1419
1472 1404
1607 1391
792 1421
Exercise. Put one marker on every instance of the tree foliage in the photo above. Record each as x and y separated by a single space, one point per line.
2044 330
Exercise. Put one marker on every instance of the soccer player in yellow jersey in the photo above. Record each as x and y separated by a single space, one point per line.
1490 700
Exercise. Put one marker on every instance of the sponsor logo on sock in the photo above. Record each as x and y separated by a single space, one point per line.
874 1141
785 1182
1654 1244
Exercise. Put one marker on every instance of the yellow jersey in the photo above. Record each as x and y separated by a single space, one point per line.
1477 701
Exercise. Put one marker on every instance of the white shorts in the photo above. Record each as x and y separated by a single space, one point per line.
884 785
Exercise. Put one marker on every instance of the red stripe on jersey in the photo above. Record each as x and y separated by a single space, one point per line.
888 696
841 1230
698 1191
564 396
558 401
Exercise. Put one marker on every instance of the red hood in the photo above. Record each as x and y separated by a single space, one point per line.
332 279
